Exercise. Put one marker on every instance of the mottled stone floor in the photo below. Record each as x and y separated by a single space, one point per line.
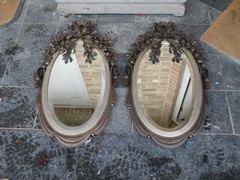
119 152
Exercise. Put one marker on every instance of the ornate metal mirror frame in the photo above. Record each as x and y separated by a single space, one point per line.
64 43
179 43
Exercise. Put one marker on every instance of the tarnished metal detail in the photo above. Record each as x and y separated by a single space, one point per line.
64 43
115 73
127 75
39 76
177 38
204 73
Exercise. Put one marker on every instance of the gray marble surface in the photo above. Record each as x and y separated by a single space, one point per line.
66 7
219 5
119 152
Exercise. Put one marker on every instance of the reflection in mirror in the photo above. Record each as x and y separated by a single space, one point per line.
75 87
168 77
165 89
76 83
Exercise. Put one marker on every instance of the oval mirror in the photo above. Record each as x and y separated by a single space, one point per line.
167 95
76 82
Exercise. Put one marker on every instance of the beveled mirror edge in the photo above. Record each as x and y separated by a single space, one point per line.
62 43
73 141
167 139
161 31
59 126
163 131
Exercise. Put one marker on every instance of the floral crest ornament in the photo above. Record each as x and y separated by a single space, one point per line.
65 42
177 40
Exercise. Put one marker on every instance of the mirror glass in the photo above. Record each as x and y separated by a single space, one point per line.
75 86
165 90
